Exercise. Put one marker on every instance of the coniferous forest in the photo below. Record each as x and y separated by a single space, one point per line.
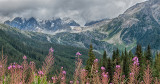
140 67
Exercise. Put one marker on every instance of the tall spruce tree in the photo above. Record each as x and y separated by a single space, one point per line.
104 60
122 56
110 68
142 62
114 55
90 60
149 54
126 63
117 57
139 54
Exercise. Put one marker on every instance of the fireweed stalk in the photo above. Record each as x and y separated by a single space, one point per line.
48 63
16 73
33 69
117 75
3 63
83 75
78 67
94 72
105 79
25 68
147 78
134 68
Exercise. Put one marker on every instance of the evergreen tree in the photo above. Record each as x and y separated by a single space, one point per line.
122 56
110 69
104 60
141 59
130 56
126 64
90 60
114 55
117 57
149 54
139 54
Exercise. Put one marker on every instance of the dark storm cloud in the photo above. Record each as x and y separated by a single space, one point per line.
80 10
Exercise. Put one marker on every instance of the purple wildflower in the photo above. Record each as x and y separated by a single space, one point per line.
51 50
24 57
102 68
9 67
64 72
79 54
96 60
40 72
135 59
118 66
71 82
13 66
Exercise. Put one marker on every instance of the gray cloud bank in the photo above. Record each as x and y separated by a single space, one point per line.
79 10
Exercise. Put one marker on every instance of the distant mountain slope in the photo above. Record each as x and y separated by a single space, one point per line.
139 24
33 24
18 43
95 22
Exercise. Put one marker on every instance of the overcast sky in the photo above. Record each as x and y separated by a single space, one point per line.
79 10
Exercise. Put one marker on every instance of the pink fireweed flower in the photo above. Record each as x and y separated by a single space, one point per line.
135 59
9 67
71 82
40 72
51 50
64 72
19 66
77 82
131 74
83 70
96 60
105 75
123 76
52 78
96 71
102 68
79 54
24 57
63 78
13 66
118 66
0 66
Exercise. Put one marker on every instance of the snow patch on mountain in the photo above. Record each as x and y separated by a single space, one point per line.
128 23
49 39
116 39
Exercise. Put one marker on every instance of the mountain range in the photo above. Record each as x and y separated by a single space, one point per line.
140 24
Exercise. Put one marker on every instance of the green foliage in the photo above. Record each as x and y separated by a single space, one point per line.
148 55
126 63
114 55
90 60
110 68
104 60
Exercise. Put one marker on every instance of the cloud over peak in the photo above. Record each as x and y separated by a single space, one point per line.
79 10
